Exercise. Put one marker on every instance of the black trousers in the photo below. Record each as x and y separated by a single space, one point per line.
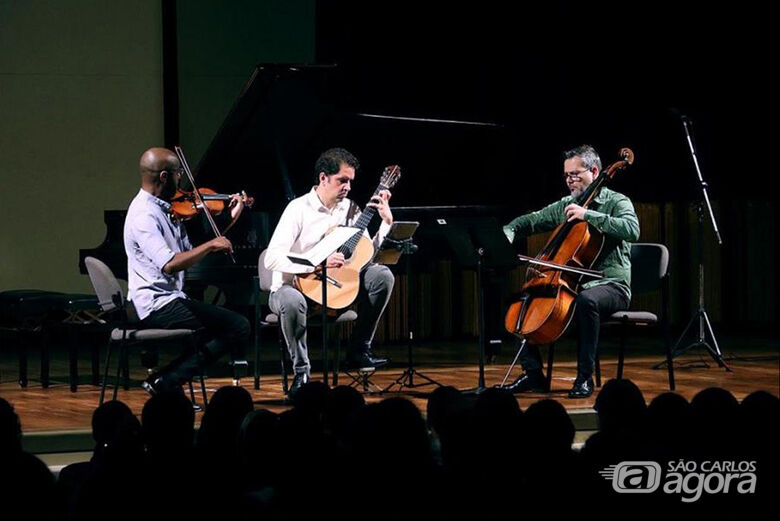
590 306
220 330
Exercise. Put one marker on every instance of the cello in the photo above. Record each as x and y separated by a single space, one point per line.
546 305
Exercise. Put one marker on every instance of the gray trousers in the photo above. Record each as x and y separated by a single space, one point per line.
376 286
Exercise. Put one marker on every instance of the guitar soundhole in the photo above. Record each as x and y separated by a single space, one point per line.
347 253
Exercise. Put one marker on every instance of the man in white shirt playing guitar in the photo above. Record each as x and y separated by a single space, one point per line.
302 225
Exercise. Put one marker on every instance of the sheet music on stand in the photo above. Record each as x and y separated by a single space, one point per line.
397 242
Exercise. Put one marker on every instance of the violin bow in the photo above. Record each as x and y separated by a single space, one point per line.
198 199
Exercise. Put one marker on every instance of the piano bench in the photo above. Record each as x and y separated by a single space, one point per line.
32 317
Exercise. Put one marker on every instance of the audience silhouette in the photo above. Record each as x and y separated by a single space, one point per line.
470 455
26 484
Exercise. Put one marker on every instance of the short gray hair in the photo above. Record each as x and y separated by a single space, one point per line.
587 154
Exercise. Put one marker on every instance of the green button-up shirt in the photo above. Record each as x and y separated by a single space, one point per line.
611 213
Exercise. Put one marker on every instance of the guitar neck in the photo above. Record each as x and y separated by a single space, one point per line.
368 213
362 224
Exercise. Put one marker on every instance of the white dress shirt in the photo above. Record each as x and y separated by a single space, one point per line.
302 224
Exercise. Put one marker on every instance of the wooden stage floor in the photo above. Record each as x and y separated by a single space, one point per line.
56 409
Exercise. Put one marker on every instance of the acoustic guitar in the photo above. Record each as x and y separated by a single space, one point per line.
344 282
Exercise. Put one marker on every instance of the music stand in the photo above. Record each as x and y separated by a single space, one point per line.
318 255
397 243
478 242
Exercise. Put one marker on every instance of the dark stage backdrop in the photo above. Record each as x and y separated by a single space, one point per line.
551 76
560 74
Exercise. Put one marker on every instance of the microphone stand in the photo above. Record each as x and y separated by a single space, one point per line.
700 316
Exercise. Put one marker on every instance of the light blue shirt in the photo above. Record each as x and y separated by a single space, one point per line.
152 238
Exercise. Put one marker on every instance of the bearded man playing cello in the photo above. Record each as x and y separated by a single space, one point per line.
613 215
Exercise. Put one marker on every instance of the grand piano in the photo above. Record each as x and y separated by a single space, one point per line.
283 118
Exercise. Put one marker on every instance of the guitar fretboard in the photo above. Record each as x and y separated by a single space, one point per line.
365 218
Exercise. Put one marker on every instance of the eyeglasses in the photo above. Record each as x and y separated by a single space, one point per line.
574 176
178 172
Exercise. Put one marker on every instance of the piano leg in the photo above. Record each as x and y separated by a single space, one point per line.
22 349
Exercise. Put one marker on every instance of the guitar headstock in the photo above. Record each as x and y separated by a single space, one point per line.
390 176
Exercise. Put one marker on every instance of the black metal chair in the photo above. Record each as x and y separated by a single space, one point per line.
649 273
126 333
265 319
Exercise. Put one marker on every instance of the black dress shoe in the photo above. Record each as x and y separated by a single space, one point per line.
583 387
299 381
157 384
365 361
153 384
533 382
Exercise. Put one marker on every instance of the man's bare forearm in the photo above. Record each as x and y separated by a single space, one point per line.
186 259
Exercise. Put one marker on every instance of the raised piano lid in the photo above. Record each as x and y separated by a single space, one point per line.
286 115
267 133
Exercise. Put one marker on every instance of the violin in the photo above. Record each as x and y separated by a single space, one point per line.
184 204
198 201
546 306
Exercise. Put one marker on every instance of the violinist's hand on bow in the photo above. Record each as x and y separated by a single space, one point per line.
220 244
381 202
574 212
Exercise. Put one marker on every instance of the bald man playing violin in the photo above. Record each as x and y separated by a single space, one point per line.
158 252
612 214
